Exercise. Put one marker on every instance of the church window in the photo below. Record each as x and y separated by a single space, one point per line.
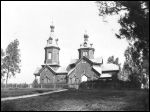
73 80
49 55
84 53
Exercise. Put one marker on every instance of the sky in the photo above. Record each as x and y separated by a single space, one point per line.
30 21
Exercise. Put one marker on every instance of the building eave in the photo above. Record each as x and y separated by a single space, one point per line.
108 71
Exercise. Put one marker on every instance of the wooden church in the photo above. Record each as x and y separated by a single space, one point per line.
85 68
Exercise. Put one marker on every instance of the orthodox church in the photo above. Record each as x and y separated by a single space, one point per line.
85 68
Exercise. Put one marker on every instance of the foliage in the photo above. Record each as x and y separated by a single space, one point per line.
104 83
134 21
111 59
11 60
134 65
133 84
35 83
2 53
2 63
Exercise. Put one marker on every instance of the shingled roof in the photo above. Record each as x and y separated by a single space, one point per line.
61 70
58 71
109 67
97 60
97 68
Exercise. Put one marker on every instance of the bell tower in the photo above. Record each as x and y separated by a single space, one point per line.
52 49
86 48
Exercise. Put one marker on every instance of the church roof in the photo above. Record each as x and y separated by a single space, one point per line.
61 70
55 71
105 68
97 68
109 67
97 60
71 70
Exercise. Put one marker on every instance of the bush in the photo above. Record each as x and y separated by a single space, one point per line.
97 84
118 84
35 84
134 81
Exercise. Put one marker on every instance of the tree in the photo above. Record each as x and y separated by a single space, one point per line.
35 83
134 22
2 53
2 63
111 59
12 60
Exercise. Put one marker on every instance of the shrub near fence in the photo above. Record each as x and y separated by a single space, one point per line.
97 84
128 85
118 84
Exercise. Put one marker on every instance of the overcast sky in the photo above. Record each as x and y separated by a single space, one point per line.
29 22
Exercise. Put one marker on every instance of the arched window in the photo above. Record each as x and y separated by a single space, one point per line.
49 55
73 80
85 53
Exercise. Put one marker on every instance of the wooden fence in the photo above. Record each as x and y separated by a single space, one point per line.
54 85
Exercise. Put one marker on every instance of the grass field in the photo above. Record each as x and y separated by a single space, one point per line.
82 100
18 91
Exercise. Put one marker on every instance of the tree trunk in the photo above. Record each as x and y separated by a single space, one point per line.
7 77
7 80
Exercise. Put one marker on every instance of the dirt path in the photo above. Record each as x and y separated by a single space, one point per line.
31 95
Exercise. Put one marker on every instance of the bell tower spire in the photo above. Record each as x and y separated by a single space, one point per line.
86 48
86 36
52 27
52 49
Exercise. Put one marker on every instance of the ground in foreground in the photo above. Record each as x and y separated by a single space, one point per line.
11 92
82 100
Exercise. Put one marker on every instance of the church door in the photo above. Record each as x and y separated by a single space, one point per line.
83 78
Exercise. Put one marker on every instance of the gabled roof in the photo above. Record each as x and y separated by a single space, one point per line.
58 71
61 70
105 68
91 61
70 71
97 60
109 67
85 58
43 67
97 69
